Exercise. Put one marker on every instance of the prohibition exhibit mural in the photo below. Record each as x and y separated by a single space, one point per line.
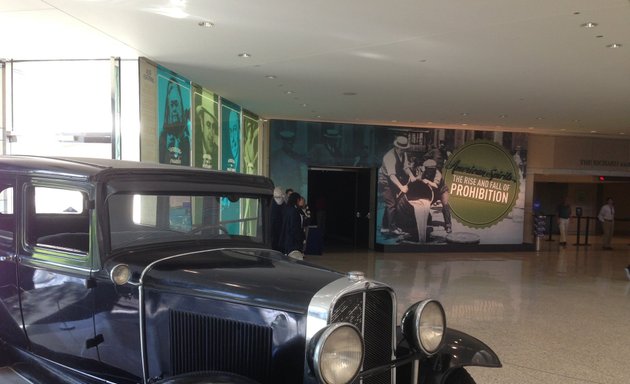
434 186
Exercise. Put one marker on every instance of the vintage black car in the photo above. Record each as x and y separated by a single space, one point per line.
125 272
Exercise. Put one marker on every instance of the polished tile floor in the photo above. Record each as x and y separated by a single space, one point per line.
560 315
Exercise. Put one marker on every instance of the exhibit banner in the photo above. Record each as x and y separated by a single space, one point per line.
230 136
148 110
206 131
174 126
230 149
251 165
251 144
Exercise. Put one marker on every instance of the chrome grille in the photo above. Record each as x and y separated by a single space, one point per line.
204 343
372 312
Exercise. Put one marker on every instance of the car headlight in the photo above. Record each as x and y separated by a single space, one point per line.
120 274
424 324
336 353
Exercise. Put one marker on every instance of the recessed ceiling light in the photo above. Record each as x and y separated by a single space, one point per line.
530 128
540 118
622 133
503 116
614 45
349 93
576 13
394 121
464 114
244 54
593 131
599 36
589 25
464 125
423 60
304 105
206 24
289 92
270 77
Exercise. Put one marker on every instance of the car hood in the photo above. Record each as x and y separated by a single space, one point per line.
253 276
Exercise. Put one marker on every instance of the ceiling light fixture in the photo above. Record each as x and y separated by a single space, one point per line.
288 92
614 45
593 131
589 25
270 77
244 54
206 24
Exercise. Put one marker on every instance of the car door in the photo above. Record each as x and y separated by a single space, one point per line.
54 268
10 315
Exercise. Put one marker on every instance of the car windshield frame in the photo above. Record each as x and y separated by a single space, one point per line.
137 218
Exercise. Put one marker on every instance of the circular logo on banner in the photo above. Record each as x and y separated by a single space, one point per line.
483 181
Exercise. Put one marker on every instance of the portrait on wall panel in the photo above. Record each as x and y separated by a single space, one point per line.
207 136
250 165
230 136
230 158
250 144
174 126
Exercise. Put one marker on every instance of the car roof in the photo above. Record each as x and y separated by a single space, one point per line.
106 169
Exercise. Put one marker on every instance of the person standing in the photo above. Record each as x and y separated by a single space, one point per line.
393 178
292 234
564 213
277 214
607 217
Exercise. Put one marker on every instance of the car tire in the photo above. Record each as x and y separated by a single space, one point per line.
459 376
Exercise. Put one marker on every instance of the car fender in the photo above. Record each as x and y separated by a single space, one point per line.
461 349
458 350
207 377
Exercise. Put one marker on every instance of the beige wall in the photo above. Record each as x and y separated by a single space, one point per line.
576 161
579 155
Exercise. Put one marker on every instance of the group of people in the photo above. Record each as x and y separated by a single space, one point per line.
403 173
606 217
290 216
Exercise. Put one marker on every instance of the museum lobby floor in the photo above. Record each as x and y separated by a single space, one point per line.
561 315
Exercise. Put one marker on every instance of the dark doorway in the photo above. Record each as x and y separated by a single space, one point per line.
339 199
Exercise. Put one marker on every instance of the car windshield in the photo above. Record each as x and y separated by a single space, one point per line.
142 219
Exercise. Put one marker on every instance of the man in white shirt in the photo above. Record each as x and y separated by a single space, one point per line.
607 217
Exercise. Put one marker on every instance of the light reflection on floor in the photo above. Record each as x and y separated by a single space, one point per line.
561 315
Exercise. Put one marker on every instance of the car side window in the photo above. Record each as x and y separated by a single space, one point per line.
7 219
59 219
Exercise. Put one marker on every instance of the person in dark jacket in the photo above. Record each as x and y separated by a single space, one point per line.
292 234
277 215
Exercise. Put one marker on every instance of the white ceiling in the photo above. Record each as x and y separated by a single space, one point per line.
522 65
